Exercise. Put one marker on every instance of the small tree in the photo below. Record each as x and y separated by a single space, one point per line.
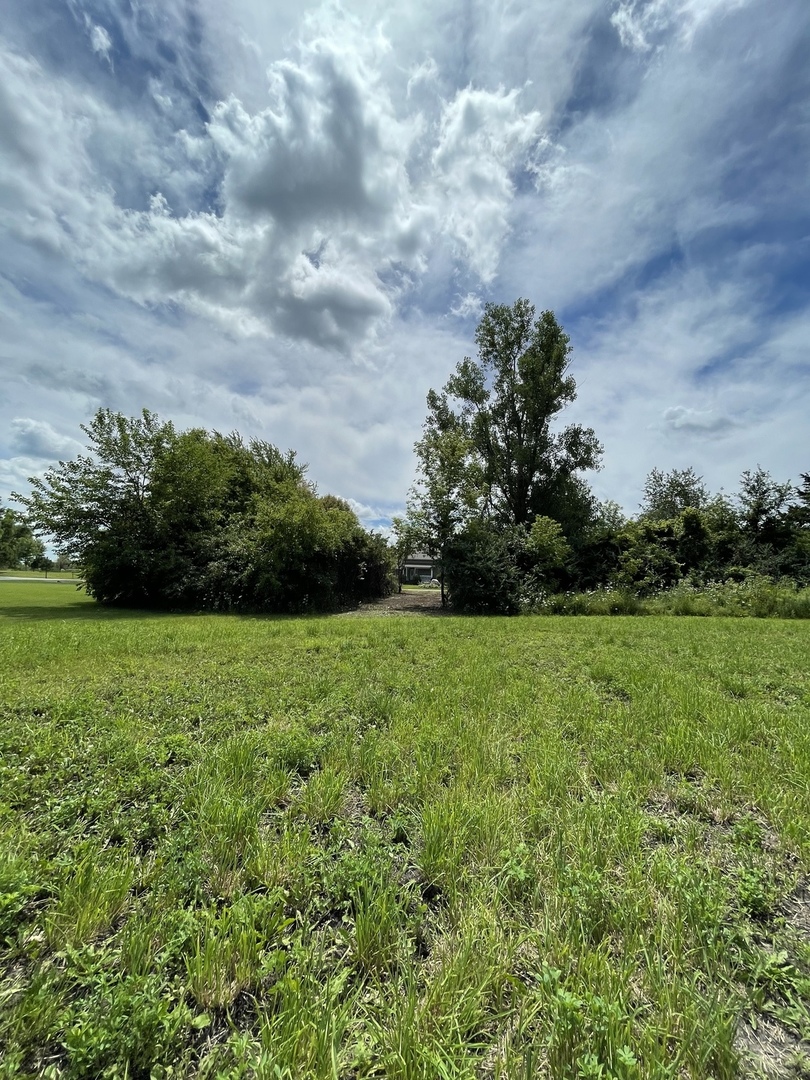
482 571
667 494
406 542
762 503
42 562
442 501
801 510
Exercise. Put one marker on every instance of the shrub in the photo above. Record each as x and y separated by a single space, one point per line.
755 596
481 573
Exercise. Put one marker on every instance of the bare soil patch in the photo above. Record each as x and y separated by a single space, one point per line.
423 602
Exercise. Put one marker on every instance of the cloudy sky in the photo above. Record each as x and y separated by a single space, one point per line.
283 218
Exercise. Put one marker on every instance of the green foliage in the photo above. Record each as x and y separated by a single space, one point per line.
490 459
754 596
649 557
602 601
489 456
506 402
164 519
480 567
547 544
763 503
666 495
443 500
18 545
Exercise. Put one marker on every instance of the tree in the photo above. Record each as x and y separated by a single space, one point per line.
160 518
406 542
42 562
762 503
501 408
18 545
442 501
801 510
648 562
667 494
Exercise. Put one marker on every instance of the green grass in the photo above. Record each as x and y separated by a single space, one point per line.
56 600
407 848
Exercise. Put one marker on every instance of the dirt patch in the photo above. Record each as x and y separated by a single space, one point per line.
768 1049
797 911
423 602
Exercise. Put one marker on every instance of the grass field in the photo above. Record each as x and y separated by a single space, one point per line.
406 848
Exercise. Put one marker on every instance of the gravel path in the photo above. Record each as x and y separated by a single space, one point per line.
423 602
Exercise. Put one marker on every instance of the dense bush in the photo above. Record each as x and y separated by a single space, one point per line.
481 571
162 519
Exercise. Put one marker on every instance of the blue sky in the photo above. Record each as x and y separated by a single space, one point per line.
285 218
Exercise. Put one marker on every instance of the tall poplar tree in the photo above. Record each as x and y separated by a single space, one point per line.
502 407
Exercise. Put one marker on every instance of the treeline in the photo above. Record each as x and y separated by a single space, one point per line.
159 518
19 548
503 505
685 532
195 519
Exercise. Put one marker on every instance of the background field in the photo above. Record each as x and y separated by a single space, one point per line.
347 847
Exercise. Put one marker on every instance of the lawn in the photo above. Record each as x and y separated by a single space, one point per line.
401 847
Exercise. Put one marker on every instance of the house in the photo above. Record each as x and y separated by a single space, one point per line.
419 568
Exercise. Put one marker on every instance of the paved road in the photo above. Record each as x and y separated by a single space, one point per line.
47 581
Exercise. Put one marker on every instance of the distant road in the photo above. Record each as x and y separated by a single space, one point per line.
47 581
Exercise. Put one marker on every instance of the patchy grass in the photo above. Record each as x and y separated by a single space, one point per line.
410 848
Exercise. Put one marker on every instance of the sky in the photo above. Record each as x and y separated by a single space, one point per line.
285 219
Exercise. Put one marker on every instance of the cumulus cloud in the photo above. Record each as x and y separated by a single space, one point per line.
15 473
484 137
469 306
697 421
330 166
37 439
258 193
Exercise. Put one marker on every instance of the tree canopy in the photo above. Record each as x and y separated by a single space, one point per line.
503 405
18 545
490 456
502 500
161 518
666 494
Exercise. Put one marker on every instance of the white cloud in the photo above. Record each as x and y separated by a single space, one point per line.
483 138
100 40
37 439
327 216
297 186
469 306
15 473
641 23
707 348
697 421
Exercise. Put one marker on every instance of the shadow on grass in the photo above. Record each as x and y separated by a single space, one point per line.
89 612
32 601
